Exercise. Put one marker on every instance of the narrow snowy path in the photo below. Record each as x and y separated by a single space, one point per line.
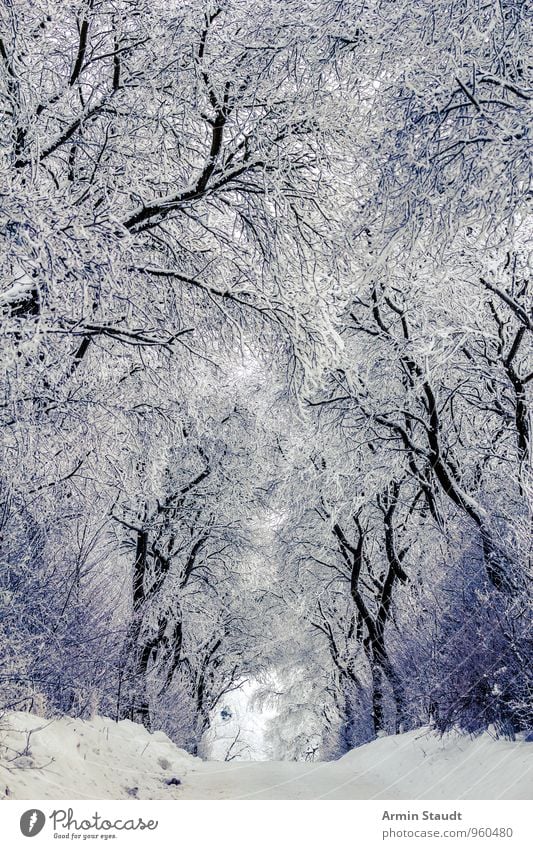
274 780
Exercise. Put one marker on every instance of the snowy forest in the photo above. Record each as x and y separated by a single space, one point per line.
266 352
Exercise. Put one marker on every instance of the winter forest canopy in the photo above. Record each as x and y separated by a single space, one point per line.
266 352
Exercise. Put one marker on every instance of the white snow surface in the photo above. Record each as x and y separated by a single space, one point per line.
100 759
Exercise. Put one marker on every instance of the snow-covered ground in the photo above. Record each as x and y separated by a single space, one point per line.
101 759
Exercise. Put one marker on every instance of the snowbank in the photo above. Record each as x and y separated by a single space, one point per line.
101 759
422 765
